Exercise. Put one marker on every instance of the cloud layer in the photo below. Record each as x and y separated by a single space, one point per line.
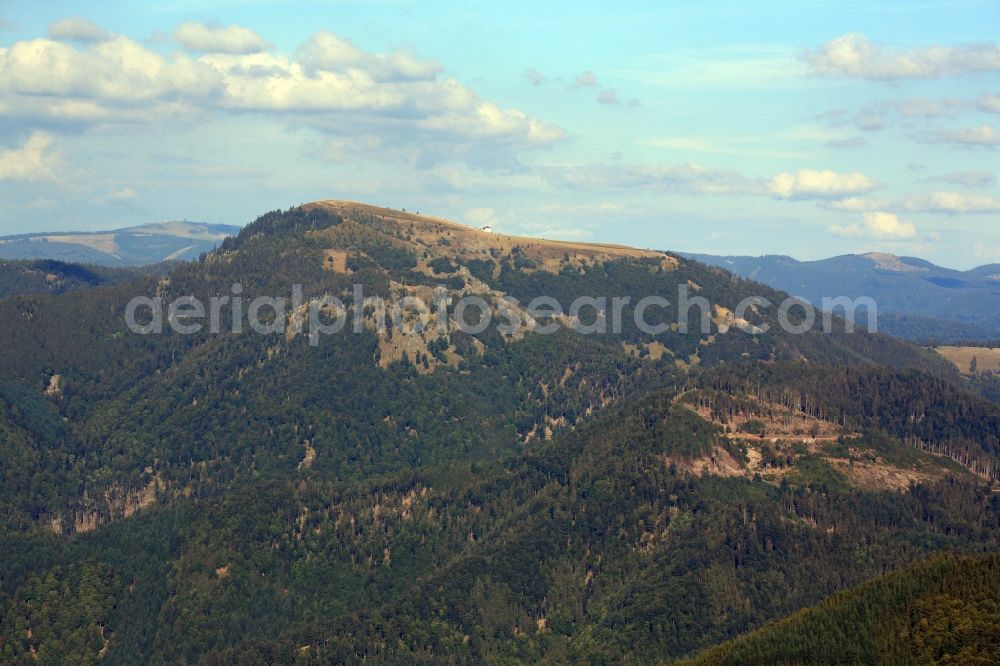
983 136
233 39
585 80
878 115
810 184
695 178
854 55
381 99
952 203
35 160
78 28
967 178
876 225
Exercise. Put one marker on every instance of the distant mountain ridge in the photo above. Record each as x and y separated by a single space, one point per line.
129 246
917 299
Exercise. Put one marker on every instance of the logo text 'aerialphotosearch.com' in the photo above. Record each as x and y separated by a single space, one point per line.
473 314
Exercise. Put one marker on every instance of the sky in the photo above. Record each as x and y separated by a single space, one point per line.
809 129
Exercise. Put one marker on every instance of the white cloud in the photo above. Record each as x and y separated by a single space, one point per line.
921 107
534 77
695 178
49 79
119 196
989 103
853 204
967 178
877 115
983 136
206 38
887 225
608 96
327 52
78 28
868 120
952 203
854 55
391 99
810 184
876 224
122 194
35 160
585 80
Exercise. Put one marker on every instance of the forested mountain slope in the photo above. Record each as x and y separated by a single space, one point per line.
445 495
46 276
943 611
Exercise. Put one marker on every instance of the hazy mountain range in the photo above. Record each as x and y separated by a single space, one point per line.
129 246
916 299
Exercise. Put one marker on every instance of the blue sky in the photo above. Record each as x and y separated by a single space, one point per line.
723 127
